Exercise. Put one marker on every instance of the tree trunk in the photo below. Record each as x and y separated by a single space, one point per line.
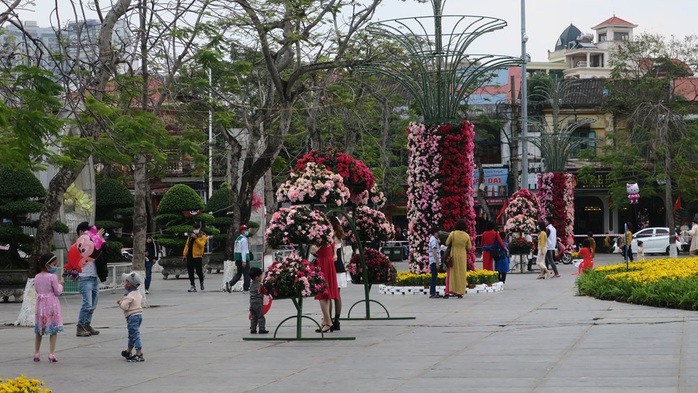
669 206
385 135
49 212
140 222
235 154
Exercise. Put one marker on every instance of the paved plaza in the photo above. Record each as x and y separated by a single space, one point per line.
535 336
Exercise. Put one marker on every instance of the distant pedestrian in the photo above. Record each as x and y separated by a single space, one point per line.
459 241
241 255
592 244
628 238
693 232
151 253
434 260
48 318
133 311
551 245
339 265
640 250
257 303
193 254
542 251
489 237
587 257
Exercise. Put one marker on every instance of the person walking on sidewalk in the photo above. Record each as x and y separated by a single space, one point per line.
47 318
194 253
551 245
241 254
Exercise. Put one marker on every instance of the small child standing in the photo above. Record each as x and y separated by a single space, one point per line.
133 311
640 250
48 318
257 303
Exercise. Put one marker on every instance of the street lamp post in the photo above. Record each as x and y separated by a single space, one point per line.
524 100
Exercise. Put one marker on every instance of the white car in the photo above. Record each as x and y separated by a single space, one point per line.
655 241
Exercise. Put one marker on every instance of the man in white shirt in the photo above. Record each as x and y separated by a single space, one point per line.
551 245
434 260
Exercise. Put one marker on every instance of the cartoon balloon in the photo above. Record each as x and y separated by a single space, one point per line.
633 191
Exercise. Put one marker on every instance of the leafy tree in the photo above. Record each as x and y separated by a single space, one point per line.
178 211
649 73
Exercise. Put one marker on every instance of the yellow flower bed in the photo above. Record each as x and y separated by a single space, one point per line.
22 384
472 276
653 270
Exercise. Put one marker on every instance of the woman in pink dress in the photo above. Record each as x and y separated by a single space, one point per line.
325 261
48 318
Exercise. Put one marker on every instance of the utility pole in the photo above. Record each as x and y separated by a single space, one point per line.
524 100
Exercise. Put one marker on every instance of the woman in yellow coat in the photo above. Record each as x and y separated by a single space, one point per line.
460 244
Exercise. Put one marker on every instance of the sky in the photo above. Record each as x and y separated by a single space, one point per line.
545 19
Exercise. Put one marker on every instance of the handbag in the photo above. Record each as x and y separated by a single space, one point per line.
347 252
496 253
448 258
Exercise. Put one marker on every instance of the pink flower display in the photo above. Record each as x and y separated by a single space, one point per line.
298 225
556 195
371 225
293 277
314 184
439 179
522 212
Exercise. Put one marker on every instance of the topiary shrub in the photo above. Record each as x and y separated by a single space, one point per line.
178 210
21 194
114 208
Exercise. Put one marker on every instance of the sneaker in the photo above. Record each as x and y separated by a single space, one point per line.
245 292
252 331
228 288
146 292
262 331
434 296
202 286
192 289
136 359
126 354
556 276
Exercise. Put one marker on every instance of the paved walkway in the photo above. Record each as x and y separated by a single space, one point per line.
535 336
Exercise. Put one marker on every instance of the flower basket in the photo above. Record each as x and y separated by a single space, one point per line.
371 225
314 184
293 277
520 246
355 173
298 225
378 267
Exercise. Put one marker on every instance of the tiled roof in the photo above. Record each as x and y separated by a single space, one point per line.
614 21
584 92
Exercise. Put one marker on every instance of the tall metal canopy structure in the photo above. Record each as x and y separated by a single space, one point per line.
436 70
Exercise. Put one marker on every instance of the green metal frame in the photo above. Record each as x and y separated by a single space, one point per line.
439 75
298 303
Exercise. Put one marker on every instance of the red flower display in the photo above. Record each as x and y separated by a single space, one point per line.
356 174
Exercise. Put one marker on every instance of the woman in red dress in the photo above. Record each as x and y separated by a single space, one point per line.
488 238
325 261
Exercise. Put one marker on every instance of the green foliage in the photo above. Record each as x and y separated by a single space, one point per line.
111 251
219 203
112 193
20 184
60 227
681 293
108 225
178 199
28 126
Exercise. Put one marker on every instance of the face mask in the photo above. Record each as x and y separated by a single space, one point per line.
246 233
196 231
52 270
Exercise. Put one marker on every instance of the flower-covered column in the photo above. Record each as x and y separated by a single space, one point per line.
423 184
556 196
439 179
